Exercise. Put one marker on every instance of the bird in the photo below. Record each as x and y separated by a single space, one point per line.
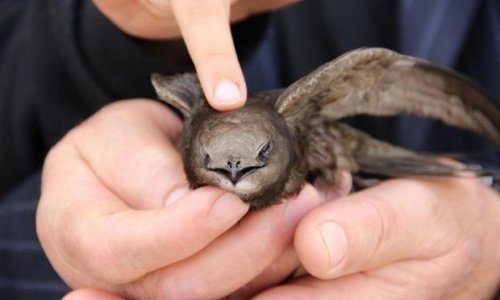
266 150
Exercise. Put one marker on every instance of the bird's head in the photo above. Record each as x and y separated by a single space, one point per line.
246 151
249 151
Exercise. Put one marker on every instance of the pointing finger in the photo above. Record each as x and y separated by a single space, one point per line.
205 27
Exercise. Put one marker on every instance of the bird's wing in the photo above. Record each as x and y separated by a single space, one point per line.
371 160
183 91
374 168
381 82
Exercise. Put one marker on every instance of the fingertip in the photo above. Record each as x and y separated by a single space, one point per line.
321 244
298 207
226 93
311 251
228 209
206 31
329 193
91 294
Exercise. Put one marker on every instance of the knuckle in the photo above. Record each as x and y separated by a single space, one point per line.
216 57
385 224
218 61
94 254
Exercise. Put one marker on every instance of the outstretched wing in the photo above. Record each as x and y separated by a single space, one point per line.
381 82
183 91
374 168
338 147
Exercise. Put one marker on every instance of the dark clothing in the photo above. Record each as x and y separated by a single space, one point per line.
61 60
25 272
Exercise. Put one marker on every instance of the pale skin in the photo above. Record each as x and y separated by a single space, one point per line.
131 225
133 228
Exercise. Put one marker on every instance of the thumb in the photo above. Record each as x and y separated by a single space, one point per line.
396 220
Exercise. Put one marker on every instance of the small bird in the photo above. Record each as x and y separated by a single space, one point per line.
267 149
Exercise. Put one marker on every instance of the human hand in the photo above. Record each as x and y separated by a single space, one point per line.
404 239
116 214
205 27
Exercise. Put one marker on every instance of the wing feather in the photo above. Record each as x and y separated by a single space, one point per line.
183 91
381 82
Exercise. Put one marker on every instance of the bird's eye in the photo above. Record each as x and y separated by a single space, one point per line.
265 150
206 157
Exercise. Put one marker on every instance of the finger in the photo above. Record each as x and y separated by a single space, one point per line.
396 220
205 27
281 269
409 280
234 259
148 169
305 288
91 294
356 286
287 265
106 242
341 189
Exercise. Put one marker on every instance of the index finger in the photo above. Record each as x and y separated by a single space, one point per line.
205 27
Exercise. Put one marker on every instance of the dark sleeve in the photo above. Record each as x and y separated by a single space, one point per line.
60 61
26 272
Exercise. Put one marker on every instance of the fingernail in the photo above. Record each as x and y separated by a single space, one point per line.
335 242
227 92
227 209
298 207
176 193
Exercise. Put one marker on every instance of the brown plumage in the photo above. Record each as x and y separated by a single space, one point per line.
264 151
